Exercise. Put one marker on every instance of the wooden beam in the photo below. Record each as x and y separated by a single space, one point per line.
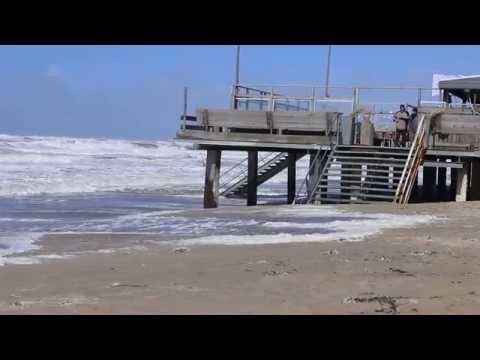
254 137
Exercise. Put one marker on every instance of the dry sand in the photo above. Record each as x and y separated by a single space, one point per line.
428 269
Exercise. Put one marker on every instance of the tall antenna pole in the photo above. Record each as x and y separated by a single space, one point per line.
237 79
237 67
327 82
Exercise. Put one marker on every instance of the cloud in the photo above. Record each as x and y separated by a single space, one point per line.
54 71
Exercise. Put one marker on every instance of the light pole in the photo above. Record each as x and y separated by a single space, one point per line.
327 82
237 78
237 67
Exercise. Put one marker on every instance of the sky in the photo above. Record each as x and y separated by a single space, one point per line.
136 92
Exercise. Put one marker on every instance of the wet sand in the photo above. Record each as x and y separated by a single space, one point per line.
427 269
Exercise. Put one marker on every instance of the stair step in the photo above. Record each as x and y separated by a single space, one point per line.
368 159
356 188
371 153
369 164
380 148
395 183
339 171
321 194
342 201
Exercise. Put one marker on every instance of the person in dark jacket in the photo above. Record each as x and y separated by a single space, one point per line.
401 119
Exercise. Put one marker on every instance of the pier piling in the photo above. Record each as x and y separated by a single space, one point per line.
429 182
252 178
292 176
475 181
462 184
212 179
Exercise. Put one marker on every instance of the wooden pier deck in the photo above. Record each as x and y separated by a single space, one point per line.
451 141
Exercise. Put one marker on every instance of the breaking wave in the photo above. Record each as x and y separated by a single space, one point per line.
36 165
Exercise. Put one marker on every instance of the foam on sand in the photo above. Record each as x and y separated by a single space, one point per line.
356 229
18 243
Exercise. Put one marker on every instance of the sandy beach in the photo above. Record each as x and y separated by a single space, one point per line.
426 269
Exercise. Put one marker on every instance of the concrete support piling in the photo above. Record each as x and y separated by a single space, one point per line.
212 179
475 181
429 181
461 193
292 176
252 178
442 183
453 184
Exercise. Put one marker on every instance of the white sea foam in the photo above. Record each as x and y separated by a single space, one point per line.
26 220
350 230
16 244
45 165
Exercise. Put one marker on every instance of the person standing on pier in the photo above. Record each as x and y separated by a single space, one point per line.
401 119
412 123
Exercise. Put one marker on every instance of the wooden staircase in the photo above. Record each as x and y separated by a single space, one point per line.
360 174
363 174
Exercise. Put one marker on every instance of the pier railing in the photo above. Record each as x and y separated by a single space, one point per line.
377 100
293 114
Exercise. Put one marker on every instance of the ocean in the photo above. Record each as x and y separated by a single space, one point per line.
74 185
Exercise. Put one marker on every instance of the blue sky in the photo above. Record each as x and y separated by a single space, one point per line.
136 91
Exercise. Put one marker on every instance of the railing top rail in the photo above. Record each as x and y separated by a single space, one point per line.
256 90
277 96
307 86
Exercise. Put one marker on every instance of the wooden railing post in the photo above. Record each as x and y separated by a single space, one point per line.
313 100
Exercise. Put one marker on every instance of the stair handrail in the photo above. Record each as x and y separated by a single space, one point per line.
234 166
235 179
312 164
239 164
239 178
417 150
319 180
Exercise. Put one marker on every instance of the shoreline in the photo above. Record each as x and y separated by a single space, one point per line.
426 269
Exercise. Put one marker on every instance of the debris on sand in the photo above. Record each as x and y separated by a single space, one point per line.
333 252
384 259
116 284
388 304
181 250
279 273
400 271
258 262
422 253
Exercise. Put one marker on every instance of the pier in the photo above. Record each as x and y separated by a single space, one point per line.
350 161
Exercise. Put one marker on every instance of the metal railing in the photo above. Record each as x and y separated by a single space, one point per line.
238 172
272 100
306 181
325 169
379 100
246 96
